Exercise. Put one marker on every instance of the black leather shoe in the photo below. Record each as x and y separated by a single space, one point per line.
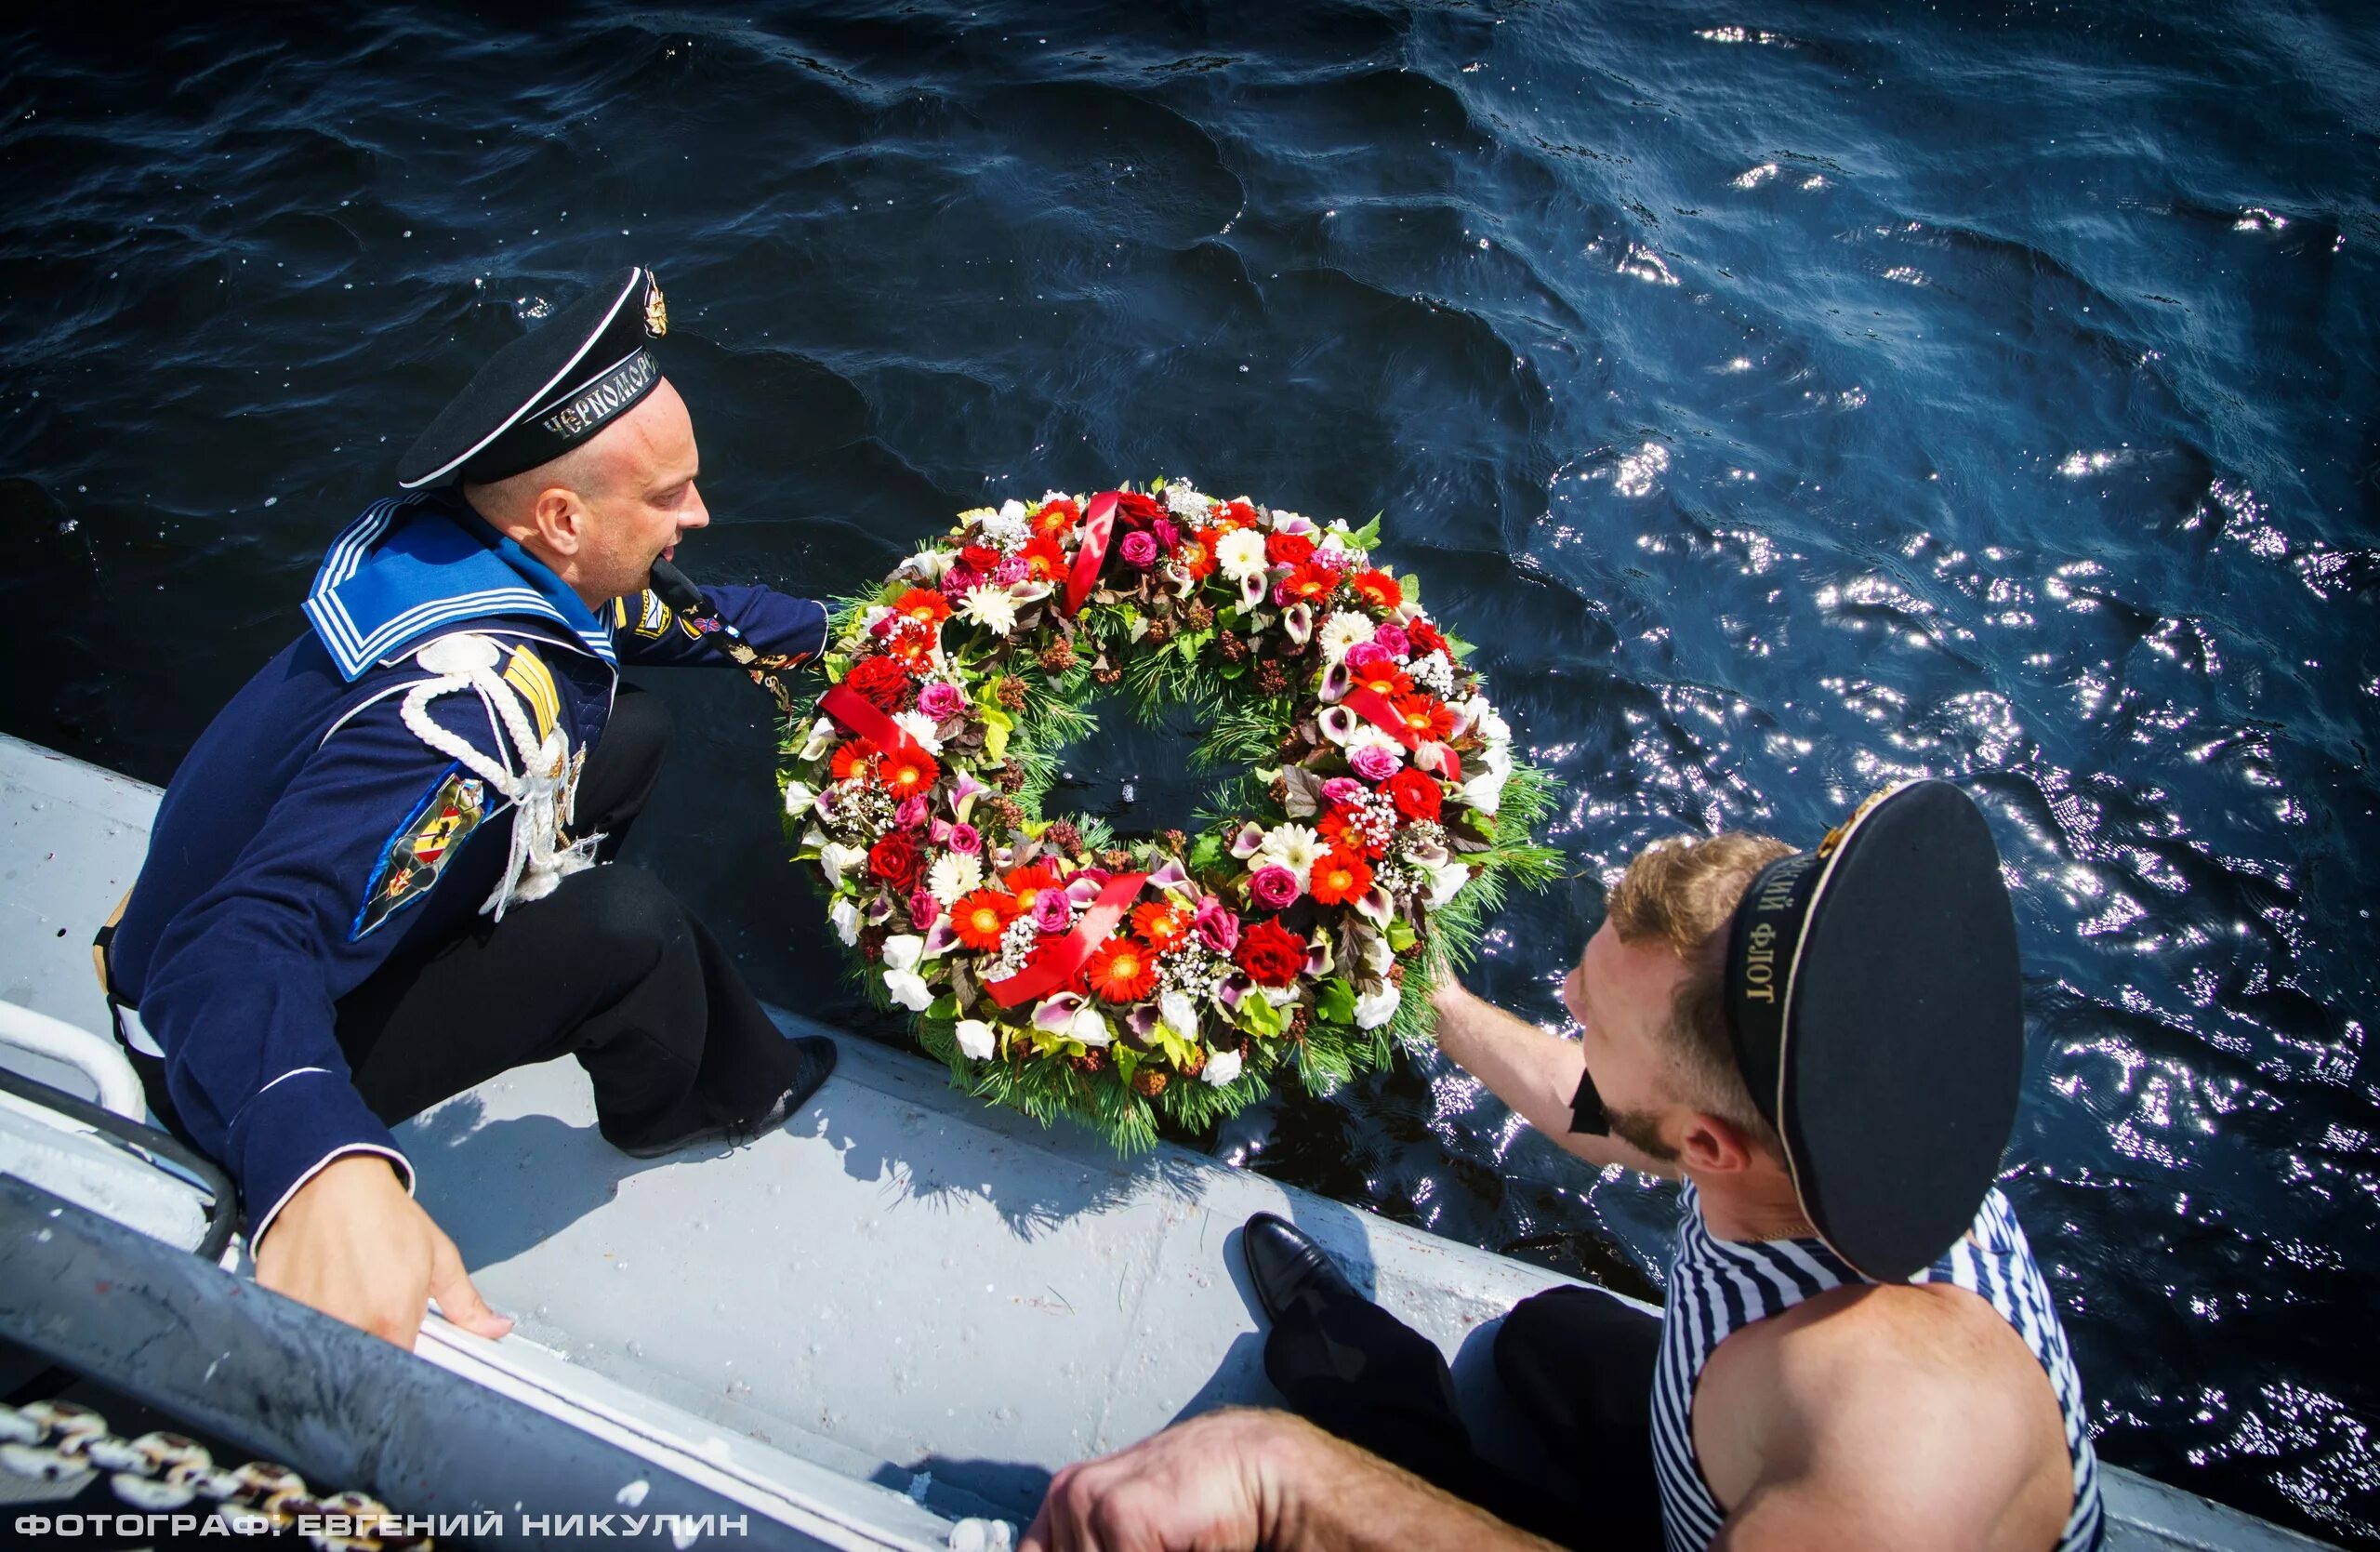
817 1053
1283 1264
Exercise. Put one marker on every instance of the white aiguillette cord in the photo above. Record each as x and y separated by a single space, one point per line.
539 792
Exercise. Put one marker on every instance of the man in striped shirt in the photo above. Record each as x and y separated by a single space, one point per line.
1857 1350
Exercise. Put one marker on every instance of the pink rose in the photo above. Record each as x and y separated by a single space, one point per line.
965 840
1391 640
912 812
1217 925
959 580
923 910
1374 762
1051 912
939 699
1015 569
1367 655
1342 791
1139 550
1274 887
1168 535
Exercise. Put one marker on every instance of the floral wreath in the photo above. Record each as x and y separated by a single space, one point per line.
1375 818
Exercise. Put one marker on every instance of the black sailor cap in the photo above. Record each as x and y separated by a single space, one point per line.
1875 1003
549 390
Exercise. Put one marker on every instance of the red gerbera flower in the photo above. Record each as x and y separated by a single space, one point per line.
1287 549
1045 562
1379 589
1122 970
1340 876
1384 678
979 919
1340 831
1056 516
1196 554
1415 795
912 647
1426 715
1026 883
1311 582
1235 514
856 758
927 609
906 772
1162 926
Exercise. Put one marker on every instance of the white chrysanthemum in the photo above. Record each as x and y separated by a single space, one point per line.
1343 629
918 725
845 916
953 874
990 608
1222 1068
1184 501
976 1039
1295 847
1240 555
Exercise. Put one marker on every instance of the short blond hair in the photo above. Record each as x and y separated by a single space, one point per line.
1683 892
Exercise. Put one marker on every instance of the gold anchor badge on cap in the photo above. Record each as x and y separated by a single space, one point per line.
656 311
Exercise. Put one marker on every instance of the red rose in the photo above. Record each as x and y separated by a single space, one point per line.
1135 511
982 557
896 860
1287 549
882 680
1415 795
1272 955
1425 638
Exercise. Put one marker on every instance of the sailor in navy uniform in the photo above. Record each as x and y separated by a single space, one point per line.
379 876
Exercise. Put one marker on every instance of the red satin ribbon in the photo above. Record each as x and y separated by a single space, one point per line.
1056 964
860 717
1098 528
1373 707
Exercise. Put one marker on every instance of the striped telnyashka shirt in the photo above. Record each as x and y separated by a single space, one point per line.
1718 1286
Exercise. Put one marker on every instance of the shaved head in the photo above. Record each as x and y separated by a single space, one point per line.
602 513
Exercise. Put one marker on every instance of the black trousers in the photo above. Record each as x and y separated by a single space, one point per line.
1579 1362
609 968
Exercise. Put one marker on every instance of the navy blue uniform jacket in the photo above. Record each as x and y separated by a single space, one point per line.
310 835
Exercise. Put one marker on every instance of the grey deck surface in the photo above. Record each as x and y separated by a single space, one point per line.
900 1284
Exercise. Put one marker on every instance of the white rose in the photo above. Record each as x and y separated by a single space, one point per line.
976 1039
1447 881
1222 1068
1240 555
845 917
1486 790
904 951
1179 1013
798 798
1090 1027
1376 1007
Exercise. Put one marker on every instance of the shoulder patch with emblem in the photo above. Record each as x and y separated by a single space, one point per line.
417 852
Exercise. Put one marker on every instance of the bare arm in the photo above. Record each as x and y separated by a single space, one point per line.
1242 1479
1532 1071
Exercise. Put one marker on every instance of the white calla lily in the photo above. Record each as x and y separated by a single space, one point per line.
835 859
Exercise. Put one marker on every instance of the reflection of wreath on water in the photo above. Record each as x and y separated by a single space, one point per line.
1061 969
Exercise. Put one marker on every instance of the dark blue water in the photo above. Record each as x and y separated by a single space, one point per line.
1790 401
